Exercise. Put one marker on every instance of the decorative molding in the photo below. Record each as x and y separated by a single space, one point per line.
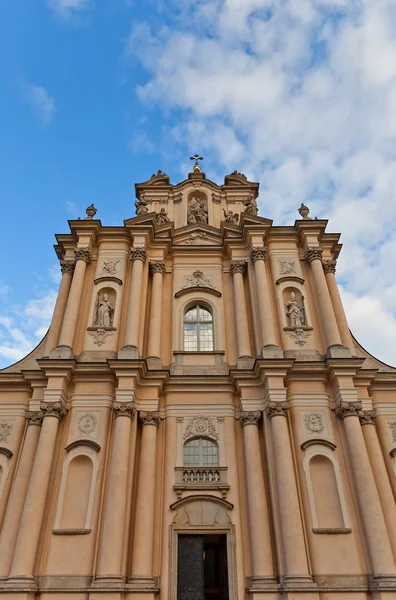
53 409
329 266
71 531
299 334
157 266
216 198
290 278
149 418
348 409
89 443
6 451
34 417
277 409
87 423
287 267
124 409
367 417
314 422
317 441
258 254
332 530
67 266
201 426
107 278
83 254
249 418
237 266
392 453
392 430
177 198
100 334
313 253
138 254
110 267
5 431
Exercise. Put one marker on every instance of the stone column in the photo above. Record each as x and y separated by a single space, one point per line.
367 494
143 539
296 563
67 268
157 268
83 257
111 547
17 497
237 268
332 335
138 257
259 258
259 521
33 510
329 268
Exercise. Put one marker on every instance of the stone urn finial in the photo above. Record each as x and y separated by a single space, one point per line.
91 211
304 211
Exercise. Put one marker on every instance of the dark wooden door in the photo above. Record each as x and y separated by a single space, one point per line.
190 567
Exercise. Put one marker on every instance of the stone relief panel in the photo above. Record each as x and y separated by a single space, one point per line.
392 431
110 267
197 211
201 426
5 431
201 512
287 267
314 423
87 424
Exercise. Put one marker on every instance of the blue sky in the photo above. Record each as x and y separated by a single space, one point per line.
97 95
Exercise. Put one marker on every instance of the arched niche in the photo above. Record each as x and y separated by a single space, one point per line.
104 313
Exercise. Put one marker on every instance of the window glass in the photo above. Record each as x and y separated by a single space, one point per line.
201 452
198 329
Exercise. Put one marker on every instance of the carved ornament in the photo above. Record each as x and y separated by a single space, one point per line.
313 253
5 431
258 254
53 409
157 266
149 418
237 266
83 254
138 254
34 417
392 428
299 334
329 266
124 409
250 418
100 334
196 239
348 409
141 206
200 425
314 422
367 417
87 423
198 279
110 267
277 409
287 267
67 266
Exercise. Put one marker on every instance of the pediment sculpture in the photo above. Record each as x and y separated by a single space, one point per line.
198 280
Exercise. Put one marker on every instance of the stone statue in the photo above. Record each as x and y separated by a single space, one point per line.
230 217
196 212
104 312
141 207
162 217
250 207
294 312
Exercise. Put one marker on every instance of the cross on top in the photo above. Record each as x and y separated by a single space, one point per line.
197 166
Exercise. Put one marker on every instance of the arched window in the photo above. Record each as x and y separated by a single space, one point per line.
198 329
201 452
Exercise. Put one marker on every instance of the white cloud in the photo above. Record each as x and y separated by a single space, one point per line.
71 207
300 95
41 102
66 9
55 273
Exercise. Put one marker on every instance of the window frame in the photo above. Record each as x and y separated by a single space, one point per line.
197 306
201 461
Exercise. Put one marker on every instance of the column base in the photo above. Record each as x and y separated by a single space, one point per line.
338 351
245 362
62 352
108 582
259 583
143 583
154 363
384 582
128 352
20 583
271 351
298 582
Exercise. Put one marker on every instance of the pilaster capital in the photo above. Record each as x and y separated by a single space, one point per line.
52 409
329 266
67 266
250 418
258 254
349 409
277 409
138 254
237 266
367 417
157 266
83 254
149 418
124 409
313 253
34 417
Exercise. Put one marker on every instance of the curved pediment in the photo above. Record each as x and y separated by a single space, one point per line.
202 509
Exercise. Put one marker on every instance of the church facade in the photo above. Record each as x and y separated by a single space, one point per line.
198 422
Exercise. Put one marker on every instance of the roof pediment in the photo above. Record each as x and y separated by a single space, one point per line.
197 235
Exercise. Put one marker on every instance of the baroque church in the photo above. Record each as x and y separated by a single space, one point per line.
198 423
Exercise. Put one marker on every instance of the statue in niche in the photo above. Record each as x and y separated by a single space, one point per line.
196 212
230 217
104 312
141 207
295 312
162 217
250 207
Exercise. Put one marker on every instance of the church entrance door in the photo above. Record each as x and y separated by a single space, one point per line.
202 571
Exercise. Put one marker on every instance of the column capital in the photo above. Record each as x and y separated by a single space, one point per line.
250 418
34 417
124 409
237 266
52 409
313 253
149 418
367 417
258 254
138 254
277 409
157 266
67 266
83 254
329 266
349 409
